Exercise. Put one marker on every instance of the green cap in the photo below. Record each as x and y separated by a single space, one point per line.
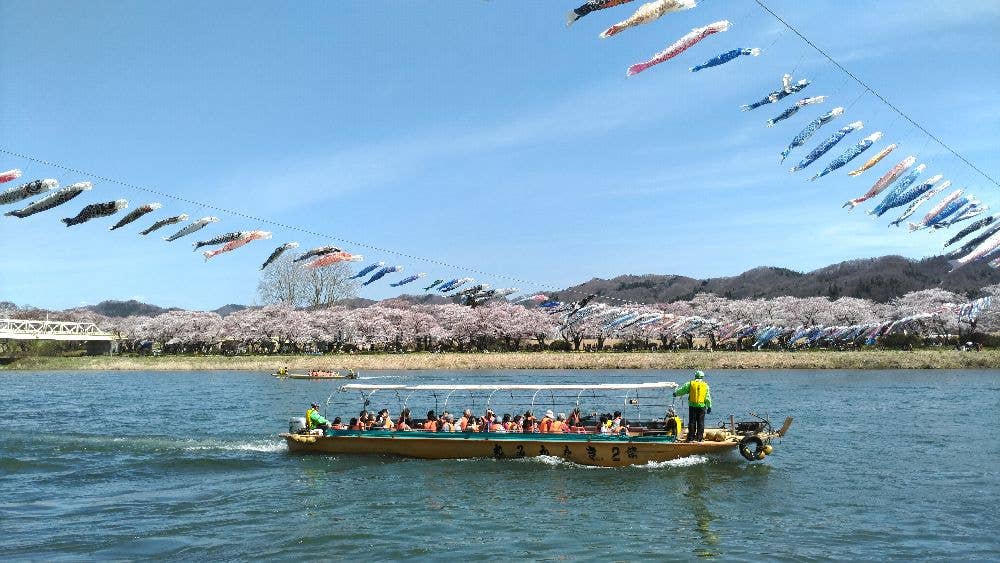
699 374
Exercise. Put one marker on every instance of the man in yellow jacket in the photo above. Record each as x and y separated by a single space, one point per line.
314 419
699 404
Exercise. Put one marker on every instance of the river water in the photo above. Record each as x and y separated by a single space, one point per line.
886 464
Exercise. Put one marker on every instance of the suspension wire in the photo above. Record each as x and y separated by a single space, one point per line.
529 283
877 94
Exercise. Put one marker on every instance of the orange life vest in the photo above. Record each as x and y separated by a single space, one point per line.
545 425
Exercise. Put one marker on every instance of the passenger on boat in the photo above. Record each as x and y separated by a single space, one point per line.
545 425
445 418
517 425
384 421
283 371
337 424
616 423
506 422
495 424
574 418
530 422
672 423
314 419
559 425
354 424
699 404
404 422
431 424
606 423
487 421
447 423
367 420
466 420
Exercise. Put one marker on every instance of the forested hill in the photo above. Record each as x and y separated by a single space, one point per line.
878 279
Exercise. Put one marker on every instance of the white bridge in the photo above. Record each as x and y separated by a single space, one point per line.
20 329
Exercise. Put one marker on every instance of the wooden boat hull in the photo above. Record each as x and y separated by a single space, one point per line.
307 376
583 449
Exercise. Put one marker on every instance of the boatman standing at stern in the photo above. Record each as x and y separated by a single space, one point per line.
314 419
699 404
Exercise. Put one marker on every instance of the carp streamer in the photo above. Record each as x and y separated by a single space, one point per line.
850 154
648 12
795 108
725 58
591 6
883 182
9 175
810 129
787 89
250 236
873 160
679 46
827 145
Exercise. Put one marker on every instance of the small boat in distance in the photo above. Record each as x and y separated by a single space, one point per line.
637 442
318 374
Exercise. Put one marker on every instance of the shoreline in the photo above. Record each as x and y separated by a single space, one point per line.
820 359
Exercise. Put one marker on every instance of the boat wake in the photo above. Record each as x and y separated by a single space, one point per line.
150 444
671 464
262 446
679 462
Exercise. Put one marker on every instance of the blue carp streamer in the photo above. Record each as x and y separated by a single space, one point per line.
902 184
950 209
971 209
810 129
897 197
725 58
367 270
850 154
795 109
969 229
920 201
382 272
787 89
828 144
408 279
968 246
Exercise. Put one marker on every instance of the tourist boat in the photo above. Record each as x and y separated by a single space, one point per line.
645 442
318 375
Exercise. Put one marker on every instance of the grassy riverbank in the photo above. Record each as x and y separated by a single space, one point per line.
874 359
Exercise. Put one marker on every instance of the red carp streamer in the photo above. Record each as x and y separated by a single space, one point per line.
333 258
9 175
681 45
250 237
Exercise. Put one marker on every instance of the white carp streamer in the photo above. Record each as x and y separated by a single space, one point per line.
679 46
648 12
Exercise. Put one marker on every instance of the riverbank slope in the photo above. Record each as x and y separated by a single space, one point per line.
868 359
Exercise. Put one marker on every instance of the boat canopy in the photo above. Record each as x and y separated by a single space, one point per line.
559 387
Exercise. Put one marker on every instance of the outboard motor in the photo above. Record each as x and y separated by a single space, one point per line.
296 425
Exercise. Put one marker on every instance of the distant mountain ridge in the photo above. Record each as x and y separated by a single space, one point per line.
879 279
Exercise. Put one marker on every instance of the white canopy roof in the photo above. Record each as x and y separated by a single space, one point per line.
596 387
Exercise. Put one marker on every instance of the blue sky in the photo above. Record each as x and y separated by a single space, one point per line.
477 133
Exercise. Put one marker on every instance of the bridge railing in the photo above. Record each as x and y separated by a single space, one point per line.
23 329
